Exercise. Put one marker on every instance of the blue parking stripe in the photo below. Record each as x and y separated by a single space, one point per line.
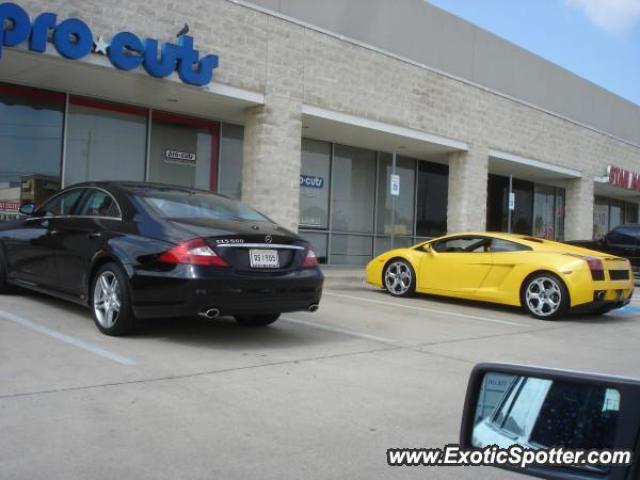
629 309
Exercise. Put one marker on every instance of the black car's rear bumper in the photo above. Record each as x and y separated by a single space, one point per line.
188 290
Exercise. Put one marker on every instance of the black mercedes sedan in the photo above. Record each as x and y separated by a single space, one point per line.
142 250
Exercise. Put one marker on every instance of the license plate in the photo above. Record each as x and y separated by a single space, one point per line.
264 259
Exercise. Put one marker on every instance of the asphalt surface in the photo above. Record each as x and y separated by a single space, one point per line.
318 395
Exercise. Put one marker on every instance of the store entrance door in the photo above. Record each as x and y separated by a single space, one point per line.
183 151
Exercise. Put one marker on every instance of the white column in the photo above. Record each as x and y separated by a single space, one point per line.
578 216
468 177
271 163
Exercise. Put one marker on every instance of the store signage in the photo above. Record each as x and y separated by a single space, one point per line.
395 185
9 205
73 39
623 178
176 156
311 181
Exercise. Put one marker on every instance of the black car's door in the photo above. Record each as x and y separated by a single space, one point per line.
79 237
29 247
623 242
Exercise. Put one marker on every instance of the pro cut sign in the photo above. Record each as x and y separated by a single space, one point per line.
73 39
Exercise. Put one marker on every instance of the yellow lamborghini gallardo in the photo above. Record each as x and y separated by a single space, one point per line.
546 278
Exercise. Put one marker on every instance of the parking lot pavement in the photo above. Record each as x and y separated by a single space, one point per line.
314 396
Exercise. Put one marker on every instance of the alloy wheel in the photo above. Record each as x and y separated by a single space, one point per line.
543 296
397 278
106 299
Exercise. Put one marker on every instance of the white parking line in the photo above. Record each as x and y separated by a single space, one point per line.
423 309
76 342
342 331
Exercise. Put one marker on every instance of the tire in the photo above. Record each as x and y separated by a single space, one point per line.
545 296
399 278
103 300
257 320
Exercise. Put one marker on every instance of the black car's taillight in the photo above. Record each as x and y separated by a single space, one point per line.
310 260
193 252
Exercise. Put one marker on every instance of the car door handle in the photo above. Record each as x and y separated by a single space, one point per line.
94 235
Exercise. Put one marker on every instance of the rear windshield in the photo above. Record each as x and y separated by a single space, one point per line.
186 204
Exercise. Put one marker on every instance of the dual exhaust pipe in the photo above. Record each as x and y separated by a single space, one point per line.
209 313
212 312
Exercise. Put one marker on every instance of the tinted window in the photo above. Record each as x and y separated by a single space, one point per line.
433 191
100 204
623 236
462 244
61 205
183 204
498 245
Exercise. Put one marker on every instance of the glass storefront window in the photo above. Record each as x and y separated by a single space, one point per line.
433 191
353 192
522 215
230 177
616 212
31 129
539 209
544 224
559 217
354 180
631 213
184 151
318 243
600 218
399 222
105 142
314 184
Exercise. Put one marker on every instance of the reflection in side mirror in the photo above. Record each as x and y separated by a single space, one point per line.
27 209
537 408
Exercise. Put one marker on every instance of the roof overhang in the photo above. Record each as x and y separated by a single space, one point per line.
95 77
343 128
504 163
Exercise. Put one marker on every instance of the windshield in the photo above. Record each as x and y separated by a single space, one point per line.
200 205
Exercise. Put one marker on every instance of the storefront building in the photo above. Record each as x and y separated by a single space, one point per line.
356 141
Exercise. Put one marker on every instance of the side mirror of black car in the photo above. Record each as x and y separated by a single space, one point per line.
27 209
536 409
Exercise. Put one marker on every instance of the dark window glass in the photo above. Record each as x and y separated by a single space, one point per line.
99 204
631 213
616 213
497 203
623 236
231 148
577 416
433 191
105 142
498 245
181 151
462 245
60 205
172 203
401 221
314 184
522 215
30 147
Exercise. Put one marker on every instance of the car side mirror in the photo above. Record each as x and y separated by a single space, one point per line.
427 247
536 409
27 209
